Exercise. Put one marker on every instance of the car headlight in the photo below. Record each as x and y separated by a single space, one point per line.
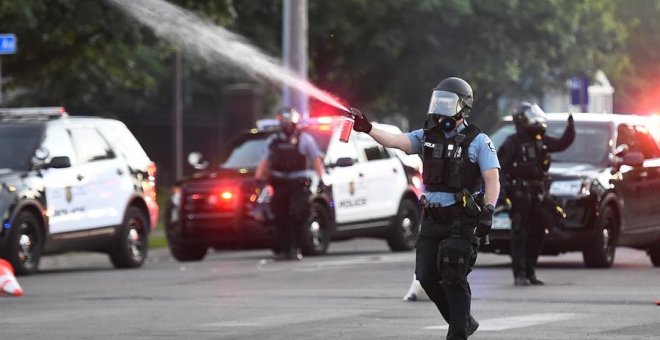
570 188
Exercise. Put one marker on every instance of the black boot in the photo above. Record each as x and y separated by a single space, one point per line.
533 280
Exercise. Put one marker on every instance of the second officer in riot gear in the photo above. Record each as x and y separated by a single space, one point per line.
460 162
525 158
286 164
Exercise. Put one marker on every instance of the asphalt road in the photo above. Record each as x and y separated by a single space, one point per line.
355 292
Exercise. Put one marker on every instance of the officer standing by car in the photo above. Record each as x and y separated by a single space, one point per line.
525 158
286 164
457 157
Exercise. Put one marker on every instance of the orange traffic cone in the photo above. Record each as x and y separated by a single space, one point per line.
8 283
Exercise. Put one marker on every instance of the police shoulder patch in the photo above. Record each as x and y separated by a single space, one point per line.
491 146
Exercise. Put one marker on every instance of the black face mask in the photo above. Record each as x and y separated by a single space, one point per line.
288 128
536 129
448 124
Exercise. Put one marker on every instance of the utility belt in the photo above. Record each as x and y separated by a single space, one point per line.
304 181
439 213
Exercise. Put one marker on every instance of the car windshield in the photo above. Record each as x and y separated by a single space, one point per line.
17 145
591 145
247 151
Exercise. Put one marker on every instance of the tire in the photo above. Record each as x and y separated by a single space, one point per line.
654 254
131 244
187 253
315 237
405 227
600 253
25 244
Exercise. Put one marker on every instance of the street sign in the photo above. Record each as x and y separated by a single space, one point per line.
7 43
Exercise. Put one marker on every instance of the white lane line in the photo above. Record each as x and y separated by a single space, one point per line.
290 318
500 324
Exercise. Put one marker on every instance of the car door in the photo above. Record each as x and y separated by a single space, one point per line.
65 196
384 177
632 181
649 177
103 177
348 190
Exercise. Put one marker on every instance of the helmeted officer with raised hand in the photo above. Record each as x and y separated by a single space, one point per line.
461 178
286 164
525 158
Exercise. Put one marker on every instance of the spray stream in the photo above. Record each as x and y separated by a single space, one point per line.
210 42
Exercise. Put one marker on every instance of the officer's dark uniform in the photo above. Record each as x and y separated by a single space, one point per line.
525 159
447 247
289 157
454 156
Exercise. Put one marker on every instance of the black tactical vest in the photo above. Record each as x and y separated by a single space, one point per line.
285 154
447 166
531 159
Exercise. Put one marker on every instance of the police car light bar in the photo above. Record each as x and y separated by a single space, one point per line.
34 112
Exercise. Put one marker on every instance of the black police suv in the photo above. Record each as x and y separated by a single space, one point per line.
607 181
72 183
373 193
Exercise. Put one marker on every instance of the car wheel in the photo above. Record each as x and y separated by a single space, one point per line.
600 253
131 242
315 238
403 232
25 244
654 254
186 253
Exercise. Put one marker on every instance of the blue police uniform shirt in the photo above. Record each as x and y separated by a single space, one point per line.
481 151
306 146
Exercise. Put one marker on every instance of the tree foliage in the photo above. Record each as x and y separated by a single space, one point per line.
384 56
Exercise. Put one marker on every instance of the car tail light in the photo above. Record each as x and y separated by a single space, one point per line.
224 198
150 190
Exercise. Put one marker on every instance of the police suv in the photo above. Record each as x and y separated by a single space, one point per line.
373 192
72 183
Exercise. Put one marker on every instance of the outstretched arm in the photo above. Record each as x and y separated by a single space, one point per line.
386 139
562 143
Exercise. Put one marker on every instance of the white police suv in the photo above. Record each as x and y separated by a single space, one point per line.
373 192
72 183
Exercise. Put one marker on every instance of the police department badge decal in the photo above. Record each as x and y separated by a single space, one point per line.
68 195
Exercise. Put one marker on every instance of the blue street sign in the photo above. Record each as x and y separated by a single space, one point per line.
7 43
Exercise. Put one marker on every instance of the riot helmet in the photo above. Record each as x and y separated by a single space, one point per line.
451 100
288 117
529 118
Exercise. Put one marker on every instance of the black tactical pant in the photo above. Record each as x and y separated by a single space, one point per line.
527 234
446 284
291 207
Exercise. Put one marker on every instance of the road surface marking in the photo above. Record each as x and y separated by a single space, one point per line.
500 324
290 318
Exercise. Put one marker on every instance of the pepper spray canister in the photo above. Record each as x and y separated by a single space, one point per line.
346 129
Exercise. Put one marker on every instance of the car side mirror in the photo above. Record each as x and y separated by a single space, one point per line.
196 160
59 162
621 150
633 158
344 162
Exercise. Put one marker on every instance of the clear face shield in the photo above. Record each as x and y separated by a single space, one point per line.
535 115
445 103
444 110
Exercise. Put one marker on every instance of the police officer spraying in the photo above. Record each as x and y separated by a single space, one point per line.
457 159
525 158
286 164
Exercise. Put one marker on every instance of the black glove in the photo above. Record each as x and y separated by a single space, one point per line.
361 122
323 188
485 221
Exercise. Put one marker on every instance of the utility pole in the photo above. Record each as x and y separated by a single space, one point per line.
177 116
294 51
